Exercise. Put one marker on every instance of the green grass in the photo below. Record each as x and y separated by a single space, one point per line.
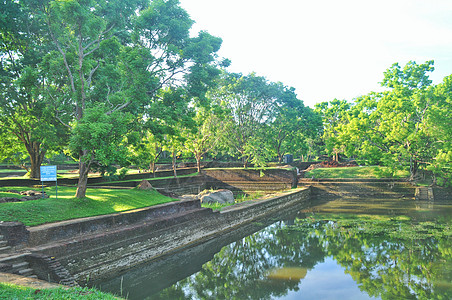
11 170
356 172
237 199
66 207
11 291
6 194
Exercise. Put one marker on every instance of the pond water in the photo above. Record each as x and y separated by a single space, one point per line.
344 249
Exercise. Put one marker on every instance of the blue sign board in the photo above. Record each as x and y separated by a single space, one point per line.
48 173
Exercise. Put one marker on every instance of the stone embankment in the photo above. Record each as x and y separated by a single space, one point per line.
331 189
80 250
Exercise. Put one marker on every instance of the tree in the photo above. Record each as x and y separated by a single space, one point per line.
333 115
26 111
204 137
118 53
250 102
439 119
103 134
404 126
145 149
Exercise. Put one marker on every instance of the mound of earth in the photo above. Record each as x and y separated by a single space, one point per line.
26 196
331 164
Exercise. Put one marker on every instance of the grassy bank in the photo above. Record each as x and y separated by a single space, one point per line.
356 172
66 207
11 291
242 197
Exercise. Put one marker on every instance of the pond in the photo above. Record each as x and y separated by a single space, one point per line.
349 249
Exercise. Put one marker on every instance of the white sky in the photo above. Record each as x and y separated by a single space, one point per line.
328 49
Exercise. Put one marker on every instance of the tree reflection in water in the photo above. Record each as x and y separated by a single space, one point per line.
388 257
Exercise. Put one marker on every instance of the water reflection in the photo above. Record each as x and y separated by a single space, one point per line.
399 254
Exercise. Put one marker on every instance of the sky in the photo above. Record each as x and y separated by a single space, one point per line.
328 49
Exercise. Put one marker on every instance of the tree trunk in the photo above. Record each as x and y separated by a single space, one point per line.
414 167
152 167
174 164
245 161
36 157
83 169
198 163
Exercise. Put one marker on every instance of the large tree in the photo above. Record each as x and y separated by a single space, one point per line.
28 121
333 114
408 125
251 102
118 54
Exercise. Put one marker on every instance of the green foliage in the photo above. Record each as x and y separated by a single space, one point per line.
101 136
407 126
263 119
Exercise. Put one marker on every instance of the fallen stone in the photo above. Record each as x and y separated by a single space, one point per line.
220 196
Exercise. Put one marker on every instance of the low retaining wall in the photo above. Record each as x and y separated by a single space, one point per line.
250 179
178 185
100 255
71 229
334 189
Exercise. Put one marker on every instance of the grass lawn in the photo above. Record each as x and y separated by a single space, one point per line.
12 291
356 172
66 207
12 195
12 170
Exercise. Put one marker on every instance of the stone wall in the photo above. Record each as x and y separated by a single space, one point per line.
179 185
250 179
73 229
103 253
333 189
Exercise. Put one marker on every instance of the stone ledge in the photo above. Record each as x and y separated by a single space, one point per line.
46 233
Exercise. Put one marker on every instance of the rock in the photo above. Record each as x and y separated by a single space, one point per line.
145 185
220 196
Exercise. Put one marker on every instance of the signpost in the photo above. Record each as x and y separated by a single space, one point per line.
49 173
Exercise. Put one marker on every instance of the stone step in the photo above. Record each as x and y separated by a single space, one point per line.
1 237
20 266
25 272
14 259
5 249
3 243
